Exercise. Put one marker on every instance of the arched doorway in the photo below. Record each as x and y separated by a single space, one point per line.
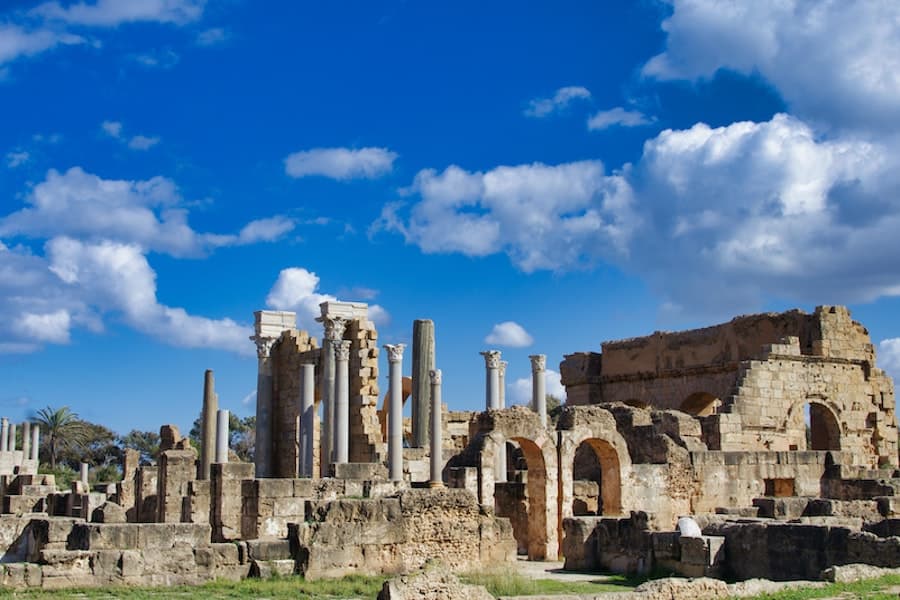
823 431
700 404
596 470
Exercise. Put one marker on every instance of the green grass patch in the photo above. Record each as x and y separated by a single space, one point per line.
296 588
870 589
513 584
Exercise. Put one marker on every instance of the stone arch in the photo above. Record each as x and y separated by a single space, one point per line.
814 424
700 404
611 478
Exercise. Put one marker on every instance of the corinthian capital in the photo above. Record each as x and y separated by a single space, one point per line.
491 359
263 345
538 362
334 328
395 352
342 350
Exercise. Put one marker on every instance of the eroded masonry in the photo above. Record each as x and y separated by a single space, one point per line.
722 451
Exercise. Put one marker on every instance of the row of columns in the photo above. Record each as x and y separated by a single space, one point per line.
214 429
31 438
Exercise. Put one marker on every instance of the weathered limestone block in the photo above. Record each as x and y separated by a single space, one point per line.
146 485
227 499
433 584
109 512
675 588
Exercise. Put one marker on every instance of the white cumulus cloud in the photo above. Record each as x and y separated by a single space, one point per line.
111 13
509 333
17 159
520 390
341 163
617 116
564 96
17 41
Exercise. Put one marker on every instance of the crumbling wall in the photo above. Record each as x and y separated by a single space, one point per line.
366 444
288 354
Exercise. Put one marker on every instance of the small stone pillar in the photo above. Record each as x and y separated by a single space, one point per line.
334 332
4 434
539 386
208 444
35 442
222 435
12 437
307 413
422 364
342 402
437 438
84 473
492 381
502 383
26 440
395 411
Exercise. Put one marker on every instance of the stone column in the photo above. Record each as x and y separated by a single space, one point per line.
395 411
342 402
307 413
492 381
334 332
26 440
84 473
4 434
222 435
437 438
12 437
539 386
208 444
502 383
263 450
422 364
35 442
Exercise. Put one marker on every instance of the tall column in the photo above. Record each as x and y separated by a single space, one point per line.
222 435
437 438
502 383
539 386
342 402
84 473
4 434
35 442
263 446
334 332
395 411
492 381
208 444
422 364
307 416
26 440
12 437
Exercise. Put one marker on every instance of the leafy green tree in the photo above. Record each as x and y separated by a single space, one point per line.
145 442
241 433
61 430
99 448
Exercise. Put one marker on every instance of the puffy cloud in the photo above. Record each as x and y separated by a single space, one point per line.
49 327
520 390
138 142
542 216
111 13
112 128
341 163
146 213
297 289
509 333
835 62
17 159
564 96
617 117
16 41
889 357
142 142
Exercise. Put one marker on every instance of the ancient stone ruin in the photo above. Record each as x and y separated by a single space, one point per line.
762 447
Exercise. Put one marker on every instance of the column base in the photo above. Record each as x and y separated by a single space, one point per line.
436 484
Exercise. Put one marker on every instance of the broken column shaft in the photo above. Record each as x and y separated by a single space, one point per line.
208 424
222 435
306 410
35 442
422 364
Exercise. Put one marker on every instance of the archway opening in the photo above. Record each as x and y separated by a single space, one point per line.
823 432
596 479
522 498
700 404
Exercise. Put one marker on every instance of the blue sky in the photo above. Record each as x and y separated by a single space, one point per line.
541 175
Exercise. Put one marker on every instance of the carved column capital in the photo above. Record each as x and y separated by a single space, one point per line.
435 375
334 327
342 350
503 365
538 362
395 352
491 359
263 345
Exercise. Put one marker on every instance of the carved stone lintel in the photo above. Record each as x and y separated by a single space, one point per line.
491 359
395 352
538 362
334 328
342 350
435 375
263 345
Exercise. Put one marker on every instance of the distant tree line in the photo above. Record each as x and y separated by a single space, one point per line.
68 440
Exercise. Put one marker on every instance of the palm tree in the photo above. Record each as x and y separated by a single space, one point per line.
61 429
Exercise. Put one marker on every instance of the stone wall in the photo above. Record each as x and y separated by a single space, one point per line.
289 352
